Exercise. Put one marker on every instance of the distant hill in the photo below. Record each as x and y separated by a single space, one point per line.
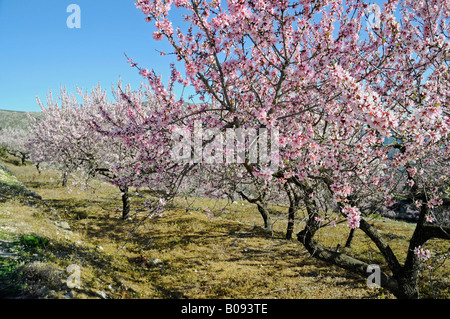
16 119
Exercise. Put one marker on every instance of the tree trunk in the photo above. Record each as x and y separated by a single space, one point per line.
403 282
342 260
407 287
350 238
408 276
125 202
306 237
294 201
268 224
64 181
262 208
290 225
23 158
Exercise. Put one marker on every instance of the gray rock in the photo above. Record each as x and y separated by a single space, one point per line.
154 261
102 295
64 225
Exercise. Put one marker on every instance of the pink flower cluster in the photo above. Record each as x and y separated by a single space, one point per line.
319 219
365 104
430 219
422 254
341 191
265 174
162 202
353 216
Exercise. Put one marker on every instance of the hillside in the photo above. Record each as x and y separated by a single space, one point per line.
16 119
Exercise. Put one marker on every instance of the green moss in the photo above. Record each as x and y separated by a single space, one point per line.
33 242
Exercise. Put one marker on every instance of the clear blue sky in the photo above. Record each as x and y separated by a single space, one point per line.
39 52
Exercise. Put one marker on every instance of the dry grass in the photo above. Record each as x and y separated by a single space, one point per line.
226 255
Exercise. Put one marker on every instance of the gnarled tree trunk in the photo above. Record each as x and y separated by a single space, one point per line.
294 201
263 209
403 281
64 179
125 202
265 213
348 243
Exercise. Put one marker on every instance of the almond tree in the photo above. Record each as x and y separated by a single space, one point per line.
362 113
69 138
14 141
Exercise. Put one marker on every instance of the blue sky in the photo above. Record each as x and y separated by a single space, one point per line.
38 51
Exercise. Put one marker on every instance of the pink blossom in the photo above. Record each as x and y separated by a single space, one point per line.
430 219
314 157
144 73
261 115
265 173
353 216
319 219
130 61
389 201
162 202
302 175
436 201
342 190
181 3
422 254
412 171
288 174
237 8
157 35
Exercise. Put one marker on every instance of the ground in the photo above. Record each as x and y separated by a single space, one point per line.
72 243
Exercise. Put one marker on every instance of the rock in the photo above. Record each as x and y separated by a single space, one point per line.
154 261
404 210
35 195
102 295
64 225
